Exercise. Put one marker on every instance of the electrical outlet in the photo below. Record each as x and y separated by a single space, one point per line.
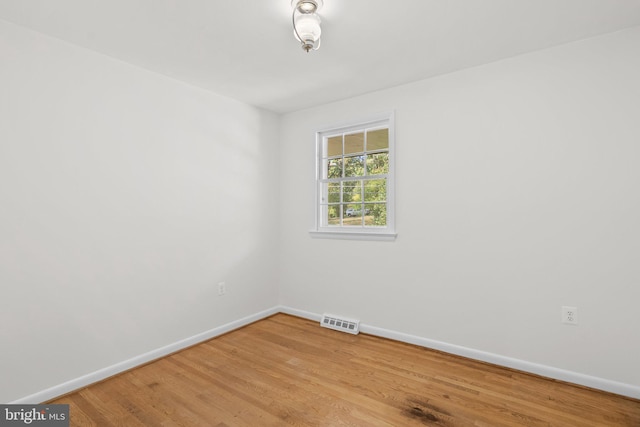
222 288
570 315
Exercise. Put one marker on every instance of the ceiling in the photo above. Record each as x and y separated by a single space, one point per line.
246 49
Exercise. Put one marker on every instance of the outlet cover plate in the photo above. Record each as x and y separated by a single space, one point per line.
569 315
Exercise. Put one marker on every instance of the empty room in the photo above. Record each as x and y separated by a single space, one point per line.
320 213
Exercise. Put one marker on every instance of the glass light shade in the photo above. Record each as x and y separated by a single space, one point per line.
308 27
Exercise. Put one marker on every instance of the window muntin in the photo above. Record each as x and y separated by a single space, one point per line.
354 178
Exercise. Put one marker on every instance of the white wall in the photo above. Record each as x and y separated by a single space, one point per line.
125 197
517 193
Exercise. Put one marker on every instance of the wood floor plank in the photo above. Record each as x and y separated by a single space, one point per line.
80 417
287 371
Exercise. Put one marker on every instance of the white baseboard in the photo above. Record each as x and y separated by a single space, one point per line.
300 313
496 359
99 375
522 365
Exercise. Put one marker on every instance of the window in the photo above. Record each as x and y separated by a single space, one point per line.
354 181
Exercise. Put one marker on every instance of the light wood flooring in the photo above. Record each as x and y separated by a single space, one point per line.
286 371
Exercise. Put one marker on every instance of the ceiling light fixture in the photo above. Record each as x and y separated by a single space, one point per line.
306 23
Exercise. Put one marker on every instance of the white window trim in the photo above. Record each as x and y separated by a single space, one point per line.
387 233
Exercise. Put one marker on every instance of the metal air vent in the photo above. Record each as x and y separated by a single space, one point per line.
340 323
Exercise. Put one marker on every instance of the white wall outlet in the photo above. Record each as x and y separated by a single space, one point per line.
569 315
222 288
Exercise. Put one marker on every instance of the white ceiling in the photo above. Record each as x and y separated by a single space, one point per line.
245 49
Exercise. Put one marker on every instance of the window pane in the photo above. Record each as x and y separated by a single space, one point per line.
377 214
353 143
369 210
334 168
378 164
352 215
378 140
333 214
351 191
354 166
333 192
375 190
334 146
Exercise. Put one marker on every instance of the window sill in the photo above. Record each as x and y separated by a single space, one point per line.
353 235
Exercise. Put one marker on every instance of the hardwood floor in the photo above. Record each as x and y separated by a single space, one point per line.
286 371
